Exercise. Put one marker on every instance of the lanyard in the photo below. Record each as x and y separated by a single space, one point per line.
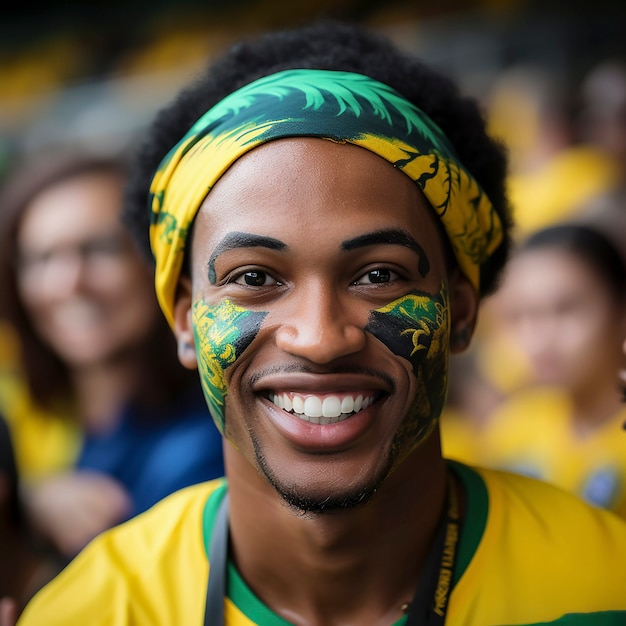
218 561
430 602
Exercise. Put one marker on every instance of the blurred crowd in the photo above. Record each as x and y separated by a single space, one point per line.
540 392
99 420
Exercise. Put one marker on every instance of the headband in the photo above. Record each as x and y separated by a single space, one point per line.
339 106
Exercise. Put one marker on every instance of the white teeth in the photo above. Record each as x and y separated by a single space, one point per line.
327 411
358 403
313 407
298 404
288 404
331 407
347 405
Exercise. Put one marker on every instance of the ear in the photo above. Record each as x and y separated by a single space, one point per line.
183 326
464 303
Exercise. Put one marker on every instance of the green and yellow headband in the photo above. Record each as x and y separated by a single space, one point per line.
341 107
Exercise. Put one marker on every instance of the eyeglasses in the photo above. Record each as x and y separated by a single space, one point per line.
92 252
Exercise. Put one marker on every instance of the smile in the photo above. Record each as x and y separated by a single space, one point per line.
324 410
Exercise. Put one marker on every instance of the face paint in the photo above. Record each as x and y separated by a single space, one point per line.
416 327
222 332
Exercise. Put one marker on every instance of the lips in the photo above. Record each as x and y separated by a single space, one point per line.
321 413
322 409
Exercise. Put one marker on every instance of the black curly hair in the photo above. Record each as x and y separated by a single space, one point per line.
332 45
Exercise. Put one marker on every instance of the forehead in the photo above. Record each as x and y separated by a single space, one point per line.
545 275
75 207
316 185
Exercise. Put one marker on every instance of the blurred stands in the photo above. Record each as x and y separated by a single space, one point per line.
98 71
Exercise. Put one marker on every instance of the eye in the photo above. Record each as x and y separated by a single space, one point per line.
255 278
104 247
377 276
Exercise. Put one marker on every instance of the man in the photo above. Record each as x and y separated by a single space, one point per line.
321 245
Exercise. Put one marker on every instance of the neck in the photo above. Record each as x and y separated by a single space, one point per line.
592 408
361 565
102 390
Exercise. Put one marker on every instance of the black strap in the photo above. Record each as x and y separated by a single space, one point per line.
430 602
218 560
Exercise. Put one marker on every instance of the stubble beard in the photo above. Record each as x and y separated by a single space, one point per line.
305 504
413 430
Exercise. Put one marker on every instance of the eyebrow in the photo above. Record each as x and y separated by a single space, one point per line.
238 239
390 236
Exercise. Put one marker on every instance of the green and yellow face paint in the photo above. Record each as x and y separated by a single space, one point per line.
416 327
222 332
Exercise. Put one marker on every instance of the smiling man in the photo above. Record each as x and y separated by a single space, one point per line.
323 233
336 341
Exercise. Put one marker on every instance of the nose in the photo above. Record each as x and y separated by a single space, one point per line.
63 274
320 326
537 334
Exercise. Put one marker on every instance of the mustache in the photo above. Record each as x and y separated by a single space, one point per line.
301 368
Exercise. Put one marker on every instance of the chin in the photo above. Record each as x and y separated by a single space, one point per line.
314 499
85 356
324 504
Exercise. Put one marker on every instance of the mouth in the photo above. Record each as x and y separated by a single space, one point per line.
77 313
323 409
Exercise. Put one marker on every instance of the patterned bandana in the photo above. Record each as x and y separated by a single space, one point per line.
339 106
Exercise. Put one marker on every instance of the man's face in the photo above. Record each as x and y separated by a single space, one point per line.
319 306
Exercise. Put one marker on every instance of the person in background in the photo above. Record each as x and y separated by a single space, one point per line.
556 173
601 115
554 169
105 421
323 234
470 404
564 300
602 122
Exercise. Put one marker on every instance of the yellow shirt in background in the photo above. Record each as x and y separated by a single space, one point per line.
532 433
43 442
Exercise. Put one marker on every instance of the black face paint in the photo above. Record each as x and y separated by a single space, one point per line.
416 327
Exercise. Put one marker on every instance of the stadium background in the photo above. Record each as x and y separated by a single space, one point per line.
97 71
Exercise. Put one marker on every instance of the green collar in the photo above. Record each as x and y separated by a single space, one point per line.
477 504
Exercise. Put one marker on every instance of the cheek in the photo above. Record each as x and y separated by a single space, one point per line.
416 327
597 341
31 298
222 332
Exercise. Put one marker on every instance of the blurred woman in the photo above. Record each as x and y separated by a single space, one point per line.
104 419
565 301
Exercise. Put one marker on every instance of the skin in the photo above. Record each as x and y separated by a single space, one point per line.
309 497
622 374
8 612
569 325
